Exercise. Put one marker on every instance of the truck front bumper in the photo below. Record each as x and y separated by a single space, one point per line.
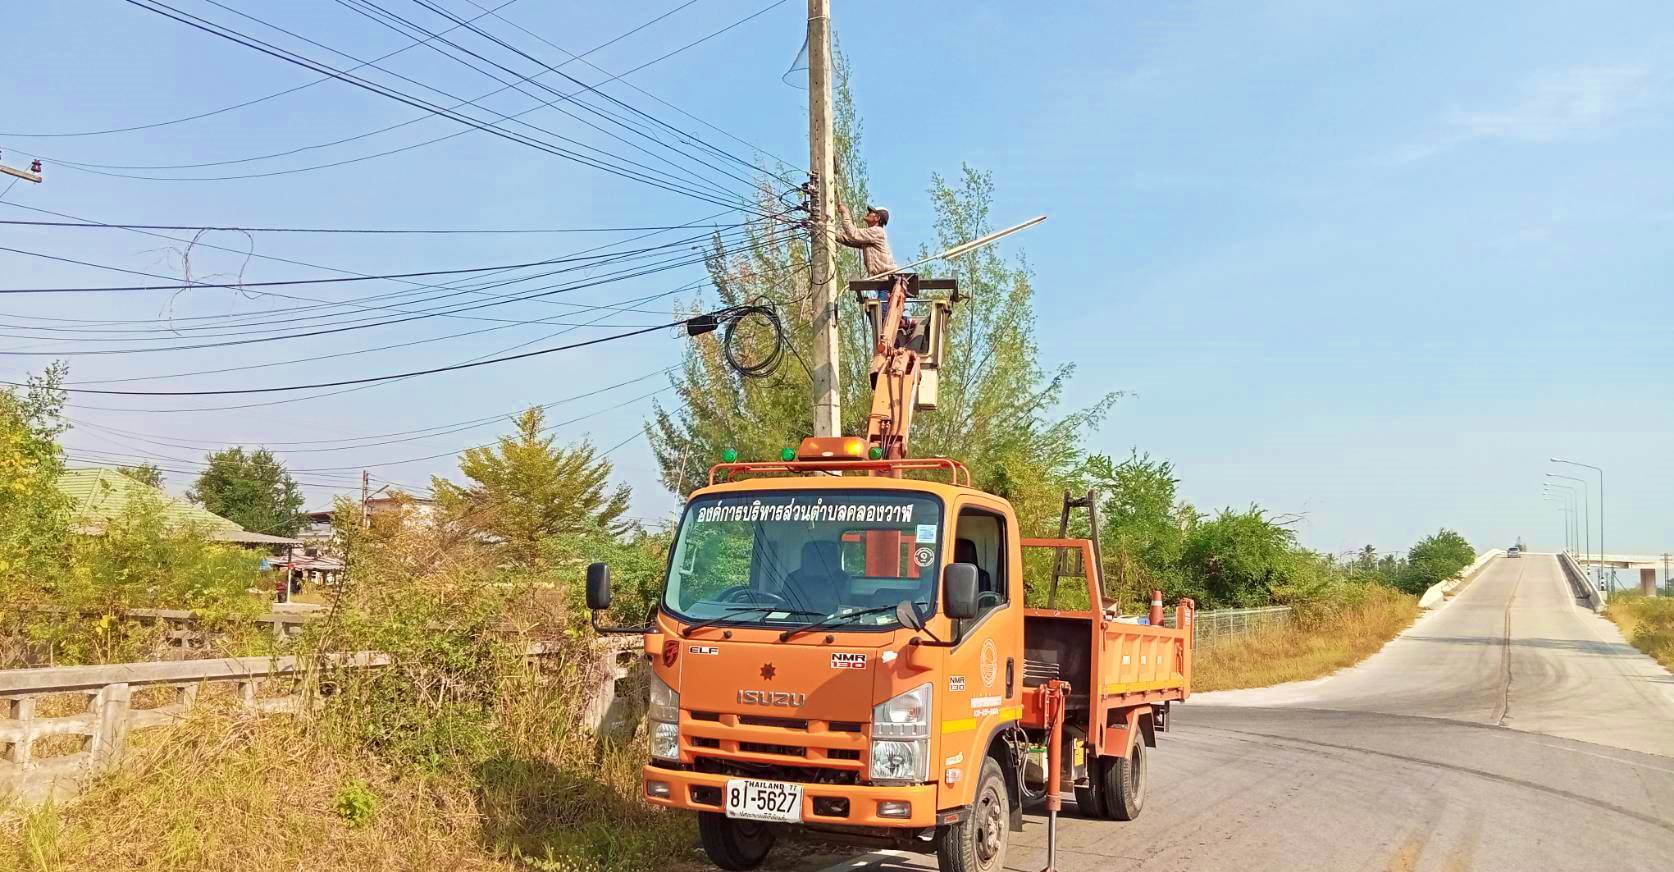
701 791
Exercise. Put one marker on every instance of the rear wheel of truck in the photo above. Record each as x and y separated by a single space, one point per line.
731 844
978 844
1089 800
1124 783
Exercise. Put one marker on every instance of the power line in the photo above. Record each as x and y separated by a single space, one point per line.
379 14
646 255
376 439
619 77
272 50
496 40
499 117
82 225
370 379
388 347
542 292
276 94
266 284
775 274
291 311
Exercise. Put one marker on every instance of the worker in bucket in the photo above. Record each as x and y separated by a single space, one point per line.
873 243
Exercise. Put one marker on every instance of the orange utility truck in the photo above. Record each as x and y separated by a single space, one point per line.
843 648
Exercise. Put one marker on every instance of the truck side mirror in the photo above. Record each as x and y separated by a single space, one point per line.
598 586
959 590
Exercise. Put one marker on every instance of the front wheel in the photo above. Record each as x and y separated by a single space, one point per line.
734 845
978 844
1124 783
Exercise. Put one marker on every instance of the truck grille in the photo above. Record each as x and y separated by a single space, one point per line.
763 746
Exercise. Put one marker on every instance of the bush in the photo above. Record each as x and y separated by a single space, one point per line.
1647 622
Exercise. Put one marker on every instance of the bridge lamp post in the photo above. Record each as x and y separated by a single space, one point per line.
1563 513
1586 507
1563 493
1600 472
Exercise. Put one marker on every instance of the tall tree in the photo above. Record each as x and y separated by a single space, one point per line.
145 473
251 489
34 513
998 407
527 488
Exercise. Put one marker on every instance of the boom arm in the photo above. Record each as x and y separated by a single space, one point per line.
895 372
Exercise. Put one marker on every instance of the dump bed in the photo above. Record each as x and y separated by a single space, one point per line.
1116 668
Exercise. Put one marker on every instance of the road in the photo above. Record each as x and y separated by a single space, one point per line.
1507 730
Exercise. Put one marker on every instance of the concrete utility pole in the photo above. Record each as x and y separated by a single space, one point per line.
365 500
828 413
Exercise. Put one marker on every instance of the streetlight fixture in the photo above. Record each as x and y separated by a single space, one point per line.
1586 508
1567 493
1564 513
1600 472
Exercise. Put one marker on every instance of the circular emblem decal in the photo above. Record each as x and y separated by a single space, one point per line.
923 557
990 663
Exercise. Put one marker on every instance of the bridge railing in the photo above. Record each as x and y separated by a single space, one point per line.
1579 581
60 724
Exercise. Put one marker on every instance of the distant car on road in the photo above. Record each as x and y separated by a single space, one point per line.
1514 551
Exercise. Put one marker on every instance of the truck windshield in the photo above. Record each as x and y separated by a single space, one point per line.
805 556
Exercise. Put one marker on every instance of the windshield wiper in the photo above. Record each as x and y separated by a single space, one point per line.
735 610
832 621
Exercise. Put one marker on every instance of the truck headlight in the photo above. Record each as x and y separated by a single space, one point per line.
901 737
664 715
665 741
665 702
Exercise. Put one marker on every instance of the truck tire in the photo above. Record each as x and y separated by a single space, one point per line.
734 845
1089 800
1124 783
978 844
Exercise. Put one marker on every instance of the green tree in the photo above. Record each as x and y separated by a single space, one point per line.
527 488
1237 559
1433 559
1143 523
34 513
145 473
251 489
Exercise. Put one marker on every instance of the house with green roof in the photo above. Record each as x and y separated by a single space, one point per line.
101 494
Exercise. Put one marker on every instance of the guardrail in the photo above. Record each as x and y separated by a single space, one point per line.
1579 582
95 735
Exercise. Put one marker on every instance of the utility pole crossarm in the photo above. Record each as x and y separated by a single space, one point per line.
33 174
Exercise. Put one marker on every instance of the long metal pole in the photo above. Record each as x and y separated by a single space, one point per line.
828 413
1563 512
1601 551
1567 494
1586 508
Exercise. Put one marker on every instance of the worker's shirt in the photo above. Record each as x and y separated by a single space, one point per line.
873 245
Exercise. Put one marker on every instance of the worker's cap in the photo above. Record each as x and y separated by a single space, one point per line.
882 213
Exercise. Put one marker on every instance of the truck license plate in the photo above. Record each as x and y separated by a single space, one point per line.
764 800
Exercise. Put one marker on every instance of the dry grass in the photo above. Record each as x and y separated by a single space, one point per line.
226 791
1647 622
1325 637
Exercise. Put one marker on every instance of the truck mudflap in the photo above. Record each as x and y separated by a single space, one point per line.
827 804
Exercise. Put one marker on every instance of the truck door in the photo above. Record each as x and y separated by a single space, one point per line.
984 675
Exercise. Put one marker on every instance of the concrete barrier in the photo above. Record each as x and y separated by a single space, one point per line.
1580 583
1437 593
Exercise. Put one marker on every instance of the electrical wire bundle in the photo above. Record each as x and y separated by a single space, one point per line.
727 321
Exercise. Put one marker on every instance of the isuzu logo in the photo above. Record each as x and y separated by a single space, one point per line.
772 697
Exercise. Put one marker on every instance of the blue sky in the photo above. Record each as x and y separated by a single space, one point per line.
1371 263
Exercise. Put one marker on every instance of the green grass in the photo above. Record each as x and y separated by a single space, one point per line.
1647 622
1326 636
